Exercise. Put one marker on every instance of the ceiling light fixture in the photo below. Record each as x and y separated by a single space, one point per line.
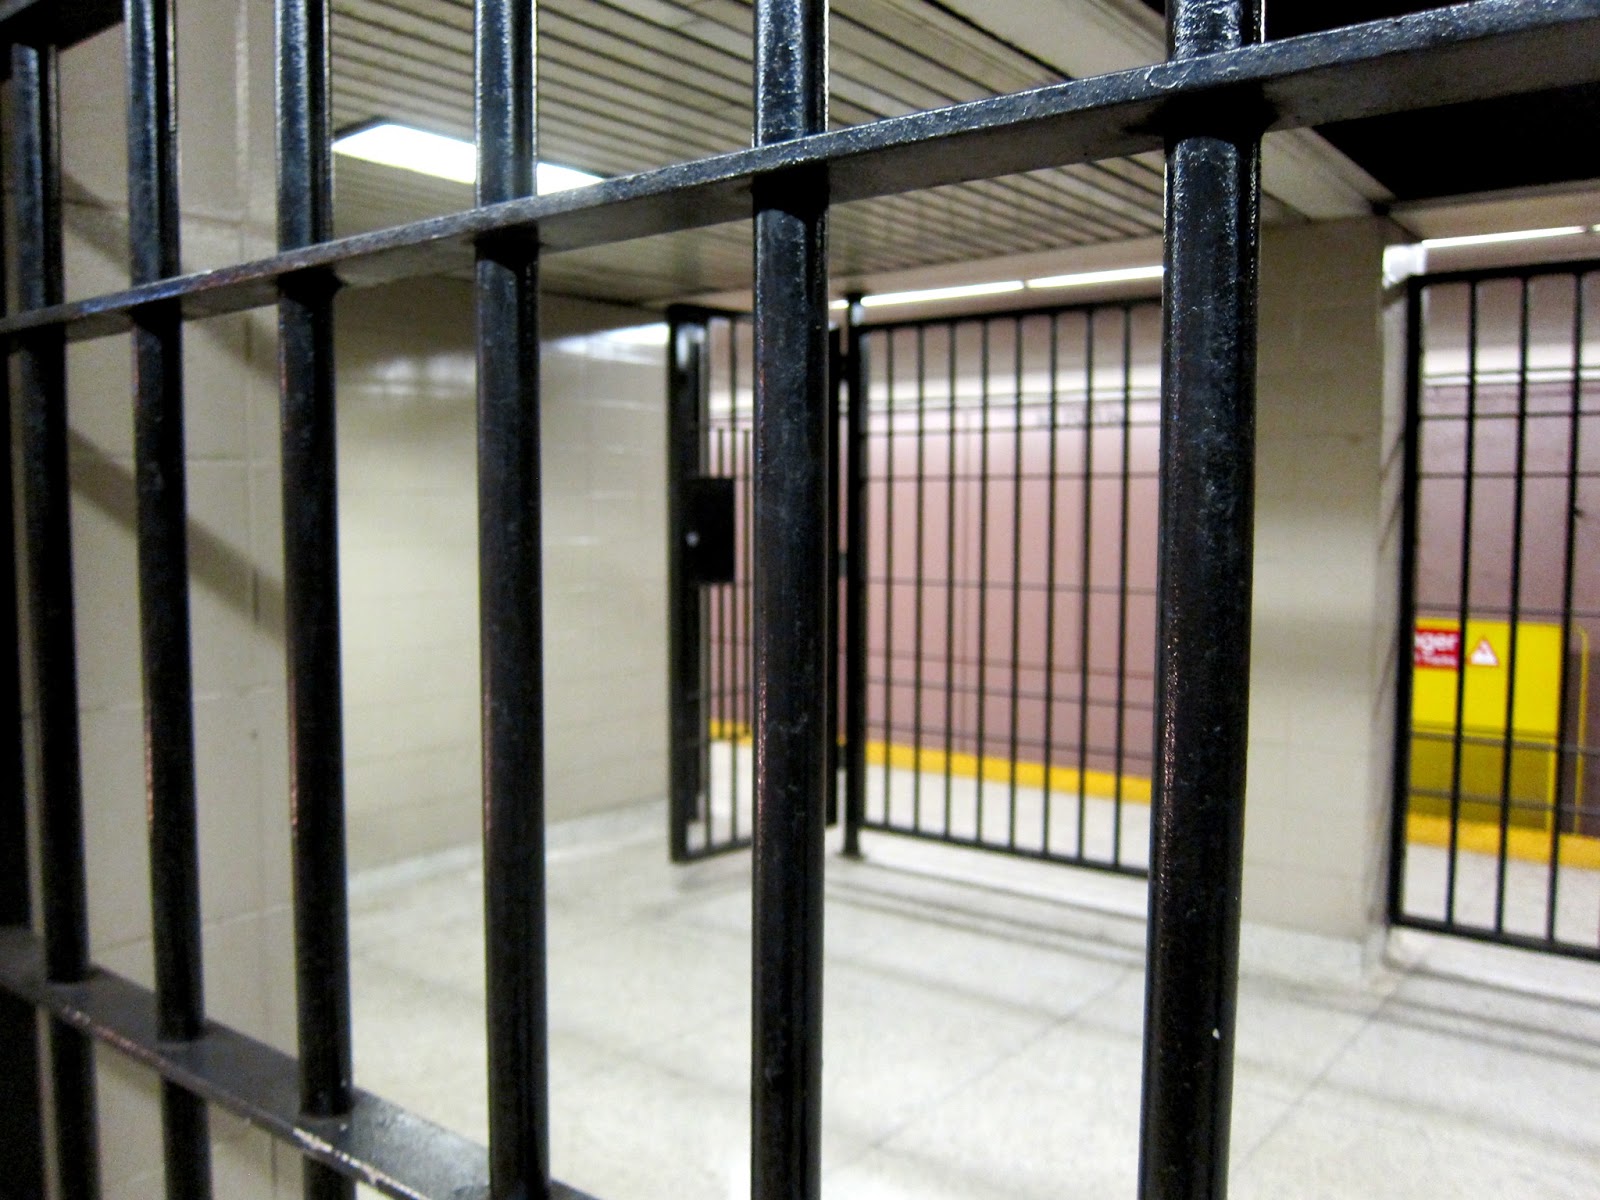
392 145
943 293
1515 235
1090 278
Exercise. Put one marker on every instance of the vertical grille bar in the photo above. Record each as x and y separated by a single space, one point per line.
1119 753
888 575
1086 582
791 644
21 1117
311 579
686 349
1207 492
920 576
980 578
47 488
855 583
1015 668
1054 367
512 612
153 239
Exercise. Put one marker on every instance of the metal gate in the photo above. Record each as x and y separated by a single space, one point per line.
1004 539
1497 832
1206 109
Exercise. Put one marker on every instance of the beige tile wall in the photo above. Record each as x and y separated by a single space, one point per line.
1325 582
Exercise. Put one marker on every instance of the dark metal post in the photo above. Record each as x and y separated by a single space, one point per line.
792 578
1207 519
21 1113
511 606
855 579
153 233
311 579
47 487
686 715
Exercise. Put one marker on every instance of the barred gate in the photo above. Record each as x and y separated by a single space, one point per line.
1206 109
1497 795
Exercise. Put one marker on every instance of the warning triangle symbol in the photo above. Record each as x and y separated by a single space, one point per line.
1483 655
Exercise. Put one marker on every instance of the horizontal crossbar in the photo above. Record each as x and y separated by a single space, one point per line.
380 1144
1443 56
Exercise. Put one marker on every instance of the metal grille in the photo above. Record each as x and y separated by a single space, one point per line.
1205 110
1499 836
1008 495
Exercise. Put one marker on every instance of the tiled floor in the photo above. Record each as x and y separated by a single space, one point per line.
980 1041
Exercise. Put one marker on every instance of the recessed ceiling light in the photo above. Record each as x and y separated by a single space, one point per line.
944 293
1515 235
443 157
1088 278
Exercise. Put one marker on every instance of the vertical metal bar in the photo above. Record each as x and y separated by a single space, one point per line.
888 576
686 341
21 1109
1016 574
1050 580
1120 750
47 489
950 586
1407 608
982 581
748 709
1207 493
721 648
511 611
1085 577
791 374
311 579
920 579
855 579
1463 603
1565 749
1519 496
836 341
153 233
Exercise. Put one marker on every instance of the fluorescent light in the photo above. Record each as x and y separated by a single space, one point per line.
392 145
1088 278
1515 235
944 293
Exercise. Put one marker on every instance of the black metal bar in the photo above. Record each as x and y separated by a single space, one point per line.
1406 609
748 708
791 643
855 581
888 575
920 578
1470 51
1207 517
980 738
999 848
1565 754
512 611
1122 585
836 351
1054 360
686 348
1085 572
951 379
1518 506
311 581
1463 603
378 1143
740 692
1014 715
21 1109
1518 941
153 233
47 491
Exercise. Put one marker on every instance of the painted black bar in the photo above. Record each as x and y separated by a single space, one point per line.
1053 362
1203 641
1085 579
980 740
952 377
311 581
686 349
1406 609
855 580
1464 600
888 571
1566 759
1514 609
512 611
378 1143
47 500
153 244
920 585
21 1111
1472 51
791 626
1014 715
1119 754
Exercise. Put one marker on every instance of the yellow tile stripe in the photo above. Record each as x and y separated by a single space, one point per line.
1482 837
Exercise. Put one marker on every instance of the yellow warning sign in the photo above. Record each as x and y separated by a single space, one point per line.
1498 689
